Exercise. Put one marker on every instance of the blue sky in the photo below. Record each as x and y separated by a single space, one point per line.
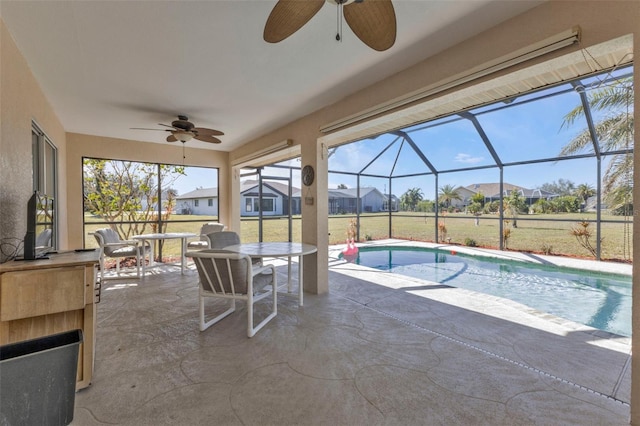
196 177
524 132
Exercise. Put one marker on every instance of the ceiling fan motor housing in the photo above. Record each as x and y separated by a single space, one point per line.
183 123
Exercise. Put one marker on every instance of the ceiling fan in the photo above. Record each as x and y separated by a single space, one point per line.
372 21
183 130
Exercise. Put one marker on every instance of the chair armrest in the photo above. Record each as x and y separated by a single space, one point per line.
122 243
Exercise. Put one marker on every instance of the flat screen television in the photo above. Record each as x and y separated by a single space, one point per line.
38 241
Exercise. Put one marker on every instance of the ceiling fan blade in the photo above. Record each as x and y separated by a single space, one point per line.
373 22
144 128
288 16
203 131
166 125
171 138
207 138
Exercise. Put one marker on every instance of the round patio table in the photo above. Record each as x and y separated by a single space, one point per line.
278 249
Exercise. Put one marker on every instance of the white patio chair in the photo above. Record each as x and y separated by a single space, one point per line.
112 246
221 240
227 275
205 230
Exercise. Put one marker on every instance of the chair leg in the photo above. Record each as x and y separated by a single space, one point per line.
251 330
206 324
138 263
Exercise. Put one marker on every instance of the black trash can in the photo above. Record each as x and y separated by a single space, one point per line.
38 380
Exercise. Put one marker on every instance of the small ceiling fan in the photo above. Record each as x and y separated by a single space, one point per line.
183 130
372 21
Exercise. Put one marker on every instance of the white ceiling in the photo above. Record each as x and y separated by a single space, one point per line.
107 66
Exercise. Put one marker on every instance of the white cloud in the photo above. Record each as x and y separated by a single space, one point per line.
467 159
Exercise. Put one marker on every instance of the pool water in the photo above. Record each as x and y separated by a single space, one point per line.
599 300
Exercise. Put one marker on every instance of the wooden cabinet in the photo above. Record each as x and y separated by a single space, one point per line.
48 296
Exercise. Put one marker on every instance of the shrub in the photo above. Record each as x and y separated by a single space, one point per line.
470 242
474 208
583 235
546 248
565 204
492 207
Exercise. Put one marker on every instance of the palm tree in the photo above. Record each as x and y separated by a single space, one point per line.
614 131
411 198
447 194
515 203
584 191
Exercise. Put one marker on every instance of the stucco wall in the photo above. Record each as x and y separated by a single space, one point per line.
21 101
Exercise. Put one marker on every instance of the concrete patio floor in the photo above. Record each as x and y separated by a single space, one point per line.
378 349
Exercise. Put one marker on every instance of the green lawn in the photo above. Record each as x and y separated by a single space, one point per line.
532 233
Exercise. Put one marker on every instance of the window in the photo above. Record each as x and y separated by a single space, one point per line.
253 204
138 198
268 205
210 202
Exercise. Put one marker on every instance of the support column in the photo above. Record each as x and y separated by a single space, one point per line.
315 213
635 310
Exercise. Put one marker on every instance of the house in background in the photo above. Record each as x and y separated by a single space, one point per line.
371 201
275 198
201 201
491 192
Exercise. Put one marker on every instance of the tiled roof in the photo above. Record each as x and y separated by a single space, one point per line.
279 187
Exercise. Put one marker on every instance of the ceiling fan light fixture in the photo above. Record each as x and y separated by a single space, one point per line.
182 136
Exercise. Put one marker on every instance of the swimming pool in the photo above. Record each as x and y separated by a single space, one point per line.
599 300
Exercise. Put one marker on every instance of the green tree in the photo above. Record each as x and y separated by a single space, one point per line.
515 203
478 197
426 206
565 204
475 209
559 187
614 132
411 198
584 191
541 206
447 194
126 193
492 207
619 200
342 186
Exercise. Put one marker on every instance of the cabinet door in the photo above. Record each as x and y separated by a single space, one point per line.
25 294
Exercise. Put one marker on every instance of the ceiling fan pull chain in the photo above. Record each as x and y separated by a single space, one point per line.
339 22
